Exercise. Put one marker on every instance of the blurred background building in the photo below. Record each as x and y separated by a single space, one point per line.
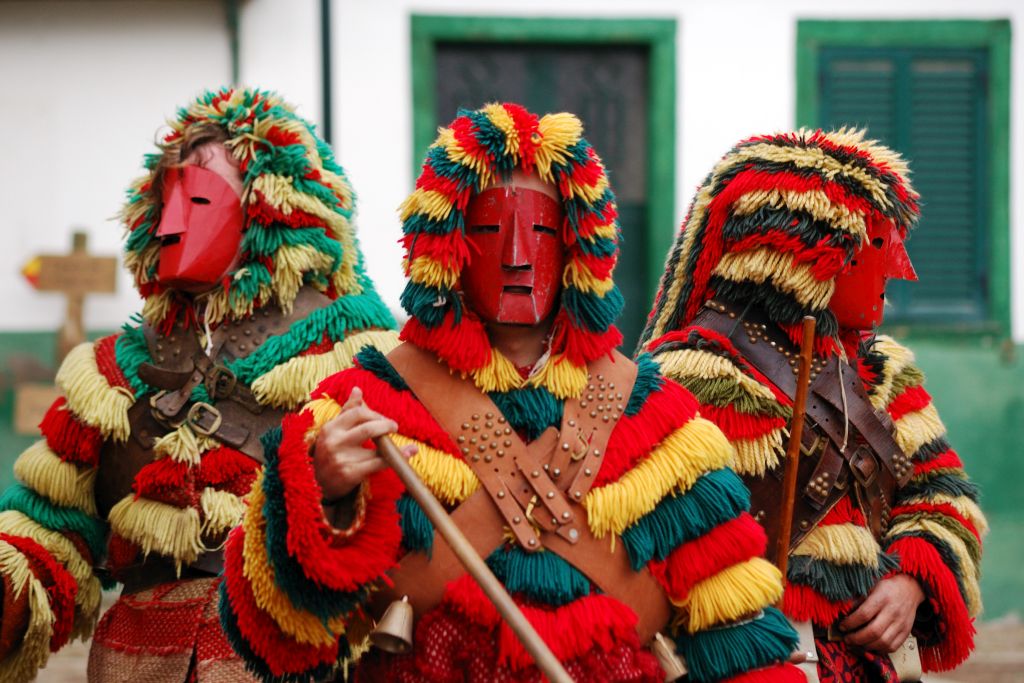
665 87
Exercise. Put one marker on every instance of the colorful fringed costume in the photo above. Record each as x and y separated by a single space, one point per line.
768 232
296 595
114 493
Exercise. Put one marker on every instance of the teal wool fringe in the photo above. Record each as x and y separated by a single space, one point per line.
542 577
719 653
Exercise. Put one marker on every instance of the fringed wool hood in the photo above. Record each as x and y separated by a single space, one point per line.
297 207
477 148
776 221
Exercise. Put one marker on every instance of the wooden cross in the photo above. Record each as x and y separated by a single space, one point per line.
75 275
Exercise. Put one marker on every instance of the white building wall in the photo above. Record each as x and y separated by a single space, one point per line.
85 86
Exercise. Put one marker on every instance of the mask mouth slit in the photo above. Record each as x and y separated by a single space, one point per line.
517 289
168 240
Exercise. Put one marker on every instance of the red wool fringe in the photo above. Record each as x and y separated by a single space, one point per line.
323 346
727 544
802 603
948 460
451 250
844 512
936 510
167 481
666 409
592 622
465 131
919 559
106 361
590 221
60 586
228 470
281 138
464 347
912 399
580 345
280 653
413 419
447 187
737 425
263 212
826 261
121 552
779 673
526 126
69 438
342 564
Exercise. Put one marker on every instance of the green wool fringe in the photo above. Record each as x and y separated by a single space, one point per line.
130 351
714 498
719 653
722 392
372 360
56 517
417 531
648 380
838 582
529 410
542 576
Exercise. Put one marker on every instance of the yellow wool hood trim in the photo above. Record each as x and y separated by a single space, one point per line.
915 429
289 384
813 202
90 397
183 445
427 271
763 264
558 133
63 483
579 276
759 456
31 654
498 375
559 376
971 571
733 593
691 363
301 625
222 511
675 464
429 202
64 551
840 544
449 479
158 527
899 358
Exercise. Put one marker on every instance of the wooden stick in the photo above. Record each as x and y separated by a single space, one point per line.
796 430
463 549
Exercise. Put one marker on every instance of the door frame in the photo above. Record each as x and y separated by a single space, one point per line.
993 36
659 35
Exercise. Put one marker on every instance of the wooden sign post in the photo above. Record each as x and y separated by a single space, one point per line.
75 275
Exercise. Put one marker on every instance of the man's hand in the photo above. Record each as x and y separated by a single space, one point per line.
884 620
339 459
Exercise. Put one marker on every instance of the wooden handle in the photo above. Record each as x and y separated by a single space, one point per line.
796 430
463 549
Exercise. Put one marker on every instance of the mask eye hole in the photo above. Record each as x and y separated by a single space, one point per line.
483 228
878 243
545 229
200 200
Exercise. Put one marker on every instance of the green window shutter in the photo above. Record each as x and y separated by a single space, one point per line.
930 105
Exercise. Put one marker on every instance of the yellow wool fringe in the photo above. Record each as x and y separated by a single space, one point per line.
733 593
183 445
448 478
289 384
685 363
324 410
840 544
432 203
971 571
558 133
90 397
426 271
561 377
813 202
478 162
504 122
915 429
758 456
222 511
763 264
64 551
579 276
899 358
63 483
674 465
168 530
31 653
301 625
964 505
498 375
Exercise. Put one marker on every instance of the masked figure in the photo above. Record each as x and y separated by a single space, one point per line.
590 485
239 240
886 528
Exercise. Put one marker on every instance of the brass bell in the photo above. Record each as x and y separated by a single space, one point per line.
671 663
393 632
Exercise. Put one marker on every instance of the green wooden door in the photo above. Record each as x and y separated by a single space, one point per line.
930 104
607 86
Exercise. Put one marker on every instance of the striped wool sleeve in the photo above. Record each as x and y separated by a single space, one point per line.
936 526
51 537
667 489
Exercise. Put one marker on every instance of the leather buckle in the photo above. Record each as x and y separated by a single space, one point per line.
159 415
220 382
203 418
582 447
864 467
813 449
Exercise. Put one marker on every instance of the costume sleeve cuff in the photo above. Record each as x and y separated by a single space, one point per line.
721 652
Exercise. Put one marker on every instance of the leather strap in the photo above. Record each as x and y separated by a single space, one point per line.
511 472
865 457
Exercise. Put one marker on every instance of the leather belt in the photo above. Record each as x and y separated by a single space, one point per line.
533 491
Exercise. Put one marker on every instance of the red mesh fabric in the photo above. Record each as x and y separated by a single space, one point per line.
450 649
842 663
